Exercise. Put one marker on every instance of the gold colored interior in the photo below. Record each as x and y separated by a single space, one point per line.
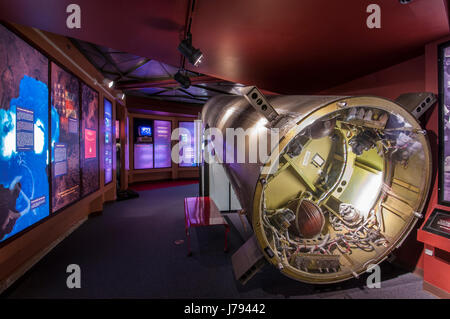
369 199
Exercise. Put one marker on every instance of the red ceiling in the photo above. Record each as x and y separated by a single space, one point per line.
291 46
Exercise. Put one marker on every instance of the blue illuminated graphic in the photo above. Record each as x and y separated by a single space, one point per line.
145 131
108 142
24 187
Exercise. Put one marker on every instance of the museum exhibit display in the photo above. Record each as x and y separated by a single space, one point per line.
143 156
346 184
435 230
143 144
24 185
438 223
163 143
187 137
65 115
152 147
244 150
444 124
108 141
90 163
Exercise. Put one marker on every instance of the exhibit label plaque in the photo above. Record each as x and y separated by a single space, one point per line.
438 223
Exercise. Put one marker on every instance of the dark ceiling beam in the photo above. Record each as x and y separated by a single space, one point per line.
139 102
177 97
212 89
107 59
135 78
163 91
137 66
164 82
109 72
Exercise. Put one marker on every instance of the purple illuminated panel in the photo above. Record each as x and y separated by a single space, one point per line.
187 153
108 142
163 131
143 156
127 145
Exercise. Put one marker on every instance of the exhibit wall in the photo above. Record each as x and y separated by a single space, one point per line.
52 154
150 156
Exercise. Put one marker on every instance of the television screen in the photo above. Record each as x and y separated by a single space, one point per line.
90 173
65 110
24 186
187 137
145 131
163 131
108 141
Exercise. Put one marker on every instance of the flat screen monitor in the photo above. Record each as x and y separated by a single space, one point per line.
145 131
108 141
90 164
65 116
24 147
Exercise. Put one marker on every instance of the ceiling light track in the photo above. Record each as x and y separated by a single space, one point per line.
189 52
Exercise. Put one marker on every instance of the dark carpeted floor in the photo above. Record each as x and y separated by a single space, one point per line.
130 252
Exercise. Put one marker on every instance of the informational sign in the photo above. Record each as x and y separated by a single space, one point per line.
187 137
60 167
108 141
163 131
65 152
438 223
143 156
90 143
24 186
24 129
90 171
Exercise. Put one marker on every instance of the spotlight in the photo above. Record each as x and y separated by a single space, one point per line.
108 83
120 96
193 55
183 79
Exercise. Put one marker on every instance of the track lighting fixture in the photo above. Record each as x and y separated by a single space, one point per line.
183 79
108 83
193 55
